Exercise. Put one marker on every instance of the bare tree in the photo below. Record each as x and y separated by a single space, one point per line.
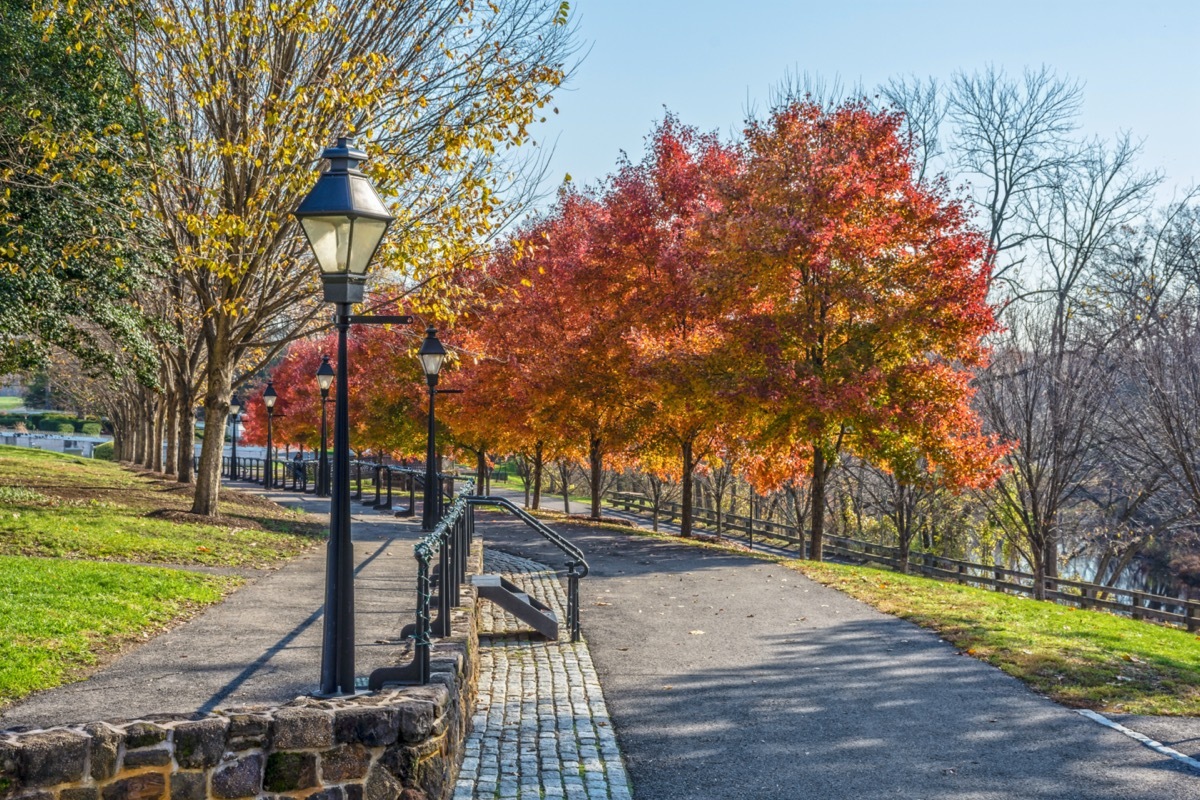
1009 136
1045 400
924 110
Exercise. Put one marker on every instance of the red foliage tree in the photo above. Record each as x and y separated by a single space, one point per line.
651 242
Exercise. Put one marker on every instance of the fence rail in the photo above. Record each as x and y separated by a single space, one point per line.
1081 594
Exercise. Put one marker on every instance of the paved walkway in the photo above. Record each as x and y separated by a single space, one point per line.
262 645
727 677
541 728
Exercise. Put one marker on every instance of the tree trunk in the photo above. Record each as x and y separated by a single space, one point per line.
689 467
656 493
720 497
171 463
905 545
481 472
564 472
1039 574
537 475
216 413
596 463
526 477
142 444
159 422
818 504
1050 558
186 419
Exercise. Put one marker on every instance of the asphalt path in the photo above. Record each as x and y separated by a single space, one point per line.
730 677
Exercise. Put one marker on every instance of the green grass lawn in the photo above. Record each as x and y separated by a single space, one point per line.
11 402
55 505
1084 659
65 605
60 617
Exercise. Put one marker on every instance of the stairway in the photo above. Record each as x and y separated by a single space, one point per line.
509 596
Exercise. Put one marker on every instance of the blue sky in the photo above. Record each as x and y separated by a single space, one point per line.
709 61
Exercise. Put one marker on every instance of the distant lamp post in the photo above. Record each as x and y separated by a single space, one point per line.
344 219
432 354
235 408
324 381
269 398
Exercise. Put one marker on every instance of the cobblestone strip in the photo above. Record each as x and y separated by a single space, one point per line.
540 729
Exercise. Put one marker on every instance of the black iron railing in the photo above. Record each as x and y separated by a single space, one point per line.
772 534
451 541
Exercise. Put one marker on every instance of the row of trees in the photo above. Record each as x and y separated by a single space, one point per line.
780 301
156 150
809 311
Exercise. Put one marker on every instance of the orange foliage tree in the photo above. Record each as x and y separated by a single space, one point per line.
855 299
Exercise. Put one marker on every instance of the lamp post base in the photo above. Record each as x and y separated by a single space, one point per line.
360 690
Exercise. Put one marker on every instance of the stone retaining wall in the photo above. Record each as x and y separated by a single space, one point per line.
403 742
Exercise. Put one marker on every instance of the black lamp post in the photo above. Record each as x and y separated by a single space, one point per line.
269 398
324 381
344 220
235 408
432 354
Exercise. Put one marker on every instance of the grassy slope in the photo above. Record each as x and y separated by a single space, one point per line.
1086 659
64 607
55 505
11 402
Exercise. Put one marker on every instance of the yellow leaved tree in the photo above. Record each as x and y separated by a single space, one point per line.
236 99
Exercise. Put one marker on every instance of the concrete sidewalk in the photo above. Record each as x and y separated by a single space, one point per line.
729 677
262 645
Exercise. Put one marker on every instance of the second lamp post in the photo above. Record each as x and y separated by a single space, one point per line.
269 398
235 408
432 354
324 381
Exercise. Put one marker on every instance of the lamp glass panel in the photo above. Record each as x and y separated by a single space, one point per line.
269 400
330 239
367 234
432 362
324 382
235 408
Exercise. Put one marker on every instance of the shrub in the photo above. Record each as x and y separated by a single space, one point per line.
64 427
9 420
104 452
90 428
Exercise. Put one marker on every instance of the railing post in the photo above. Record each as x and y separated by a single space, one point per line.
1190 611
358 478
388 504
442 628
962 573
573 600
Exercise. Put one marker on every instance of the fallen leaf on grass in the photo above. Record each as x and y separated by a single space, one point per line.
602 603
696 633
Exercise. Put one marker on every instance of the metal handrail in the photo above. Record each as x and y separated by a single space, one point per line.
548 533
575 562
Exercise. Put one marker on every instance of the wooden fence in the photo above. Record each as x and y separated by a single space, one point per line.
1081 594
